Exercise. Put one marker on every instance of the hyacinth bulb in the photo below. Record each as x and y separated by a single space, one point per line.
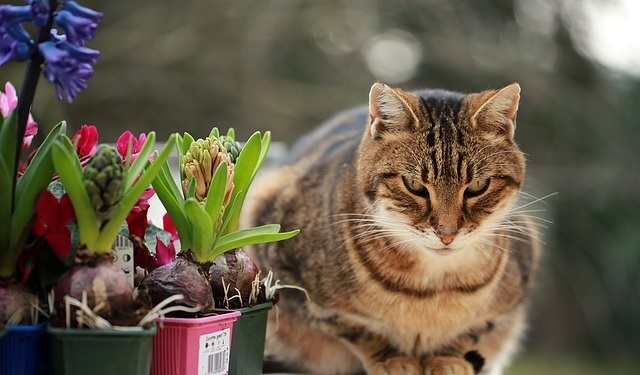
103 179
200 163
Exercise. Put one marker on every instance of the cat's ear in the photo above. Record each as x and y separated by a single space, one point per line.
389 110
497 110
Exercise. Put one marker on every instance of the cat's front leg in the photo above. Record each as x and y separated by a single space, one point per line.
445 365
431 365
397 365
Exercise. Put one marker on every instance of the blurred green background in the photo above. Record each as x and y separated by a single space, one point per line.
284 65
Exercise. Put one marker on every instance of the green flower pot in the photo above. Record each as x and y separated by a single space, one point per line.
247 343
101 352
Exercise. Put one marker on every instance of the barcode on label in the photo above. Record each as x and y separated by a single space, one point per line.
216 363
214 353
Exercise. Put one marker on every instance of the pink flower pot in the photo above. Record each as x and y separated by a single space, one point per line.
193 346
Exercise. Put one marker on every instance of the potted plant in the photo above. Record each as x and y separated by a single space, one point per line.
20 185
101 190
215 174
94 292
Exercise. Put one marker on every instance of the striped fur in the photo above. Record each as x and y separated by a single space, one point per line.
412 249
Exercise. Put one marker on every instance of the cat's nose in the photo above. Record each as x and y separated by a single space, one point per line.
446 233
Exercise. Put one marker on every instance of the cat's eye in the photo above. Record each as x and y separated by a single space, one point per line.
477 187
415 187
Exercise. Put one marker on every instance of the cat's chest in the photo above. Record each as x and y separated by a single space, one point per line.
428 320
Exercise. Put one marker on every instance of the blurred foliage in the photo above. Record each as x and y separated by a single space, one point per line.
284 65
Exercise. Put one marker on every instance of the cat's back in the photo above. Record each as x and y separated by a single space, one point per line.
302 183
339 135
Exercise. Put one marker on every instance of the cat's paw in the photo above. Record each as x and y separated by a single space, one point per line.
447 366
397 366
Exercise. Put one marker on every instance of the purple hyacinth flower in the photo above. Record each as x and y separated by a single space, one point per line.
67 66
15 44
77 29
40 10
78 22
11 15
80 11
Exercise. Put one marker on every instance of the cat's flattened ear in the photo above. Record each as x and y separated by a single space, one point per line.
388 110
499 110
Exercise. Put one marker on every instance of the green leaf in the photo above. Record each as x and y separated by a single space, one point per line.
141 161
187 140
191 191
251 236
6 253
68 167
266 144
226 219
167 177
130 197
172 200
35 179
244 171
214 133
179 148
231 133
215 196
201 229
9 144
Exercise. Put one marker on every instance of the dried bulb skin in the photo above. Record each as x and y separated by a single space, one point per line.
104 285
238 271
15 304
181 276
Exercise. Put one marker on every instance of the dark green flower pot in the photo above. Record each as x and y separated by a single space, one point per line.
101 352
247 343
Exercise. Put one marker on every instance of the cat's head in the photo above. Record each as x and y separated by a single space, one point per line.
440 170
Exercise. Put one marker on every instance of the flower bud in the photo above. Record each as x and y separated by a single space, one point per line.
103 178
193 170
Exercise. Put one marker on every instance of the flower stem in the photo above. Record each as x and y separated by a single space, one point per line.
28 90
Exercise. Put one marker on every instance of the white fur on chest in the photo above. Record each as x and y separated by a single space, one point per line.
426 324
420 325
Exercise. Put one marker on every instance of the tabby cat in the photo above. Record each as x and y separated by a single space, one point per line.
412 250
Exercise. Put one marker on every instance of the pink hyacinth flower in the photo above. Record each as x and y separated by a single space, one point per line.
126 140
8 102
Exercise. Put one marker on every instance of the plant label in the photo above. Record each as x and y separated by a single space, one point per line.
213 357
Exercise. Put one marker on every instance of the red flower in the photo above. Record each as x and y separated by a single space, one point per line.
142 257
85 140
52 218
165 254
128 144
168 227
137 223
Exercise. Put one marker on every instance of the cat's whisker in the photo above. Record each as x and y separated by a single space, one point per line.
492 244
527 241
536 200
541 224
396 244
476 246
